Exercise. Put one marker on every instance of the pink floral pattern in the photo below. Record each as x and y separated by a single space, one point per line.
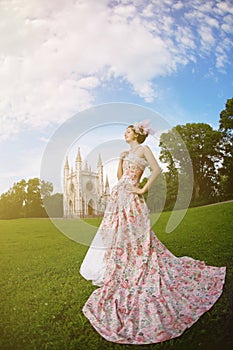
147 295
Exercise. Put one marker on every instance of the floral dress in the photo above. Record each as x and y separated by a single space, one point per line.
146 294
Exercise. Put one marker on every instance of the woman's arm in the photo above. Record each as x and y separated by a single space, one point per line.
155 171
155 168
120 164
119 169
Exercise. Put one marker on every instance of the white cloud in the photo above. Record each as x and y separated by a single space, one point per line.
212 22
227 25
225 6
178 5
53 54
148 11
207 38
221 53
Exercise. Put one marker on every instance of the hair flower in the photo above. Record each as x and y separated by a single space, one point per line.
143 127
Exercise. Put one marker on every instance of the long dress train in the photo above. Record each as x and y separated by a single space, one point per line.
146 294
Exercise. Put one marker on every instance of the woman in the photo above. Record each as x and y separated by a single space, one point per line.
146 294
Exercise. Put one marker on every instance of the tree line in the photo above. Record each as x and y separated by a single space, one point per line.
27 199
210 152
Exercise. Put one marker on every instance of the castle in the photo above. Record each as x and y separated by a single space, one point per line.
84 192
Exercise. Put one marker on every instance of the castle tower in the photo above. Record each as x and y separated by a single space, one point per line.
65 181
100 173
78 161
78 185
66 168
107 189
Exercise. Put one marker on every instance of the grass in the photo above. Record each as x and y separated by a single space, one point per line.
42 292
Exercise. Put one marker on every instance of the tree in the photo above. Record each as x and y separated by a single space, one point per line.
200 143
171 177
226 117
54 205
34 205
226 171
46 188
156 196
24 199
4 204
18 196
12 202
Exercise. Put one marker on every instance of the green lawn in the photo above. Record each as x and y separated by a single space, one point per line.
42 293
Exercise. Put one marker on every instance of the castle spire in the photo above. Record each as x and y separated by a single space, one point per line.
100 175
106 182
78 161
66 163
107 190
99 160
78 157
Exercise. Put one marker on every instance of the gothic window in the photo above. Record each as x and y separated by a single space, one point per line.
89 186
91 209
71 187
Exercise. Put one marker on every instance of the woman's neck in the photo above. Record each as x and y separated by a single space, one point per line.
134 145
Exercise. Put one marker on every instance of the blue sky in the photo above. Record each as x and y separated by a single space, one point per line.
59 58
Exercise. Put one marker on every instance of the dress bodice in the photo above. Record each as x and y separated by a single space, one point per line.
133 167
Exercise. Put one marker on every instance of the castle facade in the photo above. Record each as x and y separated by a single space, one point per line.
84 191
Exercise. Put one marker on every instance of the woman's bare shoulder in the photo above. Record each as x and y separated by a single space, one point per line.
146 149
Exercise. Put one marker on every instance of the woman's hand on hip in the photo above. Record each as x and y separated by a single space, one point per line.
134 189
